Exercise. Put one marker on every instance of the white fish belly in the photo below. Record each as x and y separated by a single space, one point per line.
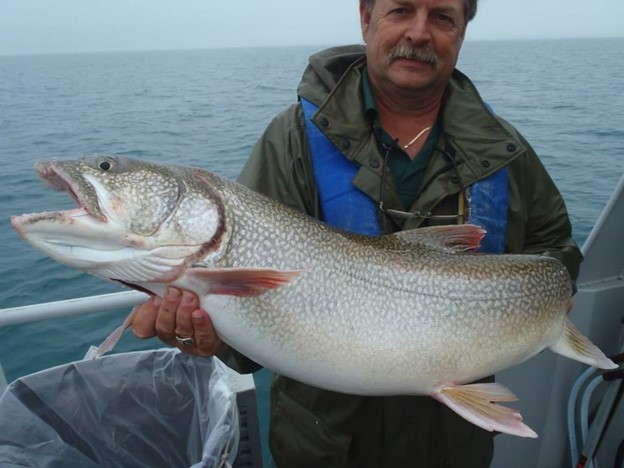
374 346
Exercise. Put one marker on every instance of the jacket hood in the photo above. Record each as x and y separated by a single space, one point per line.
326 68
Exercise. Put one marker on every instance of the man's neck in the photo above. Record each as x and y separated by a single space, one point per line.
406 116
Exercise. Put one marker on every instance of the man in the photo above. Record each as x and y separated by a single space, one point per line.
413 134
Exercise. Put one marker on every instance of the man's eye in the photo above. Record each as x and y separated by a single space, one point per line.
399 11
444 19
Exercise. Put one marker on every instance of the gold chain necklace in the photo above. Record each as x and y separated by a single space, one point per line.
415 139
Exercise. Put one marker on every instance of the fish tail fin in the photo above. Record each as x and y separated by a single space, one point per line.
574 345
475 402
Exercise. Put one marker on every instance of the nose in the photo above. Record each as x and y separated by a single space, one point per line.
418 29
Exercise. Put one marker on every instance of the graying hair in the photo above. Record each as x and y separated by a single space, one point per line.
471 7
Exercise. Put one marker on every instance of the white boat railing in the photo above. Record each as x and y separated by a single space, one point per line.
71 307
67 308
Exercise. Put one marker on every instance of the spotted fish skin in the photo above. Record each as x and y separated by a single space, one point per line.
413 313
428 315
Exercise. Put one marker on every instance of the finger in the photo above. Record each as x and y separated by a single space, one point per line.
166 319
144 318
183 323
207 342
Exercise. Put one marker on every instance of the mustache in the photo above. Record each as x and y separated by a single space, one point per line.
423 53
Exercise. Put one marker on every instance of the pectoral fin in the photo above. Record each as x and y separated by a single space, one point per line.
243 282
475 403
574 345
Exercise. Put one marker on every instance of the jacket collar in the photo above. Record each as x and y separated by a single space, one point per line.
483 142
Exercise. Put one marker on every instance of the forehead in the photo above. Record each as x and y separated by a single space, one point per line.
432 4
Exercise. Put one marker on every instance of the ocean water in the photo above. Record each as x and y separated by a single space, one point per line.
203 108
208 107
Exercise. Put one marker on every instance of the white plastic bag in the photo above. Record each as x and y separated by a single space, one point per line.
143 409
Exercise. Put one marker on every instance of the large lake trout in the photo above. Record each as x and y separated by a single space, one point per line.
412 313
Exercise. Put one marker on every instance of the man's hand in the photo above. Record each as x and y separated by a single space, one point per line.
178 313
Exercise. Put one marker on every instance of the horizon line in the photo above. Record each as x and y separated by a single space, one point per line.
273 46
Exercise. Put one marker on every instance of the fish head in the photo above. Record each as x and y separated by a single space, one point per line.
136 221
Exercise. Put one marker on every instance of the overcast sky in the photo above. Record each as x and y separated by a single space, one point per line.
50 26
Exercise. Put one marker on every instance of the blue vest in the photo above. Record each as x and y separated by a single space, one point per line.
487 207
347 207
343 205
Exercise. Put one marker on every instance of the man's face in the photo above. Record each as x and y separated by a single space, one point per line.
412 45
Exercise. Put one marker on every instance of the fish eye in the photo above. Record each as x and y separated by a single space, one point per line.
105 165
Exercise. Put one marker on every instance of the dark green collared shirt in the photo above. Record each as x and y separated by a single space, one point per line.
407 174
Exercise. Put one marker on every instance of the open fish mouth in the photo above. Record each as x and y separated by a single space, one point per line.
57 180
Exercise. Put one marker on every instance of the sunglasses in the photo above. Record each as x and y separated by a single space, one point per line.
461 216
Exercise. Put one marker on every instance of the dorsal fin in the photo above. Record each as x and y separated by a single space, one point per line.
449 239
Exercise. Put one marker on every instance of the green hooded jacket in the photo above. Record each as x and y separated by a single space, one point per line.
316 428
